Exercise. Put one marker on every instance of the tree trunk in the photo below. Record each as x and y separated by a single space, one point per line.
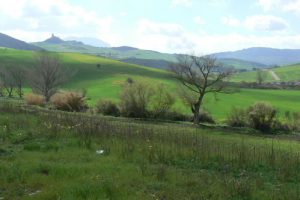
196 109
196 113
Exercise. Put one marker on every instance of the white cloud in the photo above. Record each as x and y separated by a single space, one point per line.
186 3
199 20
230 21
149 27
282 5
293 7
174 38
54 16
166 37
266 23
268 4
257 23
33 20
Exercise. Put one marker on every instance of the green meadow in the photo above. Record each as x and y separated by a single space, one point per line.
285 73
289 73
106 82
54 155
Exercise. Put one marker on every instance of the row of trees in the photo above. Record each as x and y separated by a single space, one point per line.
12 80
44 77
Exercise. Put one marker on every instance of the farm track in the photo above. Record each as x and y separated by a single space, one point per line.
274 75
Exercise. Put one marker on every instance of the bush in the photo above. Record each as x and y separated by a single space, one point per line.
262 116
107 107
296 121
69 101
135 99
292 122
35 100
1 90
237 118
205 117
161 102
176 116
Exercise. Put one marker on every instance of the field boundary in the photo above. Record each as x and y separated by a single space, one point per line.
19 107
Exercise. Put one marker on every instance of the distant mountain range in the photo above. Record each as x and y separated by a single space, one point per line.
89 41
266 56
133 55
9 42
245 59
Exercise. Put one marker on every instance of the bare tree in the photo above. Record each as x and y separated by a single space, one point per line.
1 89
200 75
48 74
7 81
261 76
18 76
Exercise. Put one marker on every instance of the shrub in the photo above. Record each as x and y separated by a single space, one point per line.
161 102
237 118
205 117
262 116
296 121
292 122
282 126
135 99
69 101
35 99
177 116
107 107
1 89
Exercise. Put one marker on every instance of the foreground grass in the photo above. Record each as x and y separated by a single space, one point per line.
52 155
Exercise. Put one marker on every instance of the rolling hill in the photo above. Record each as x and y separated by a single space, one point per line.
266 56
284 73
89 41
9 42
56 44
133 55
107 82
289 73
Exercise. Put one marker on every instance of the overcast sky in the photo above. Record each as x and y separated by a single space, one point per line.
165 25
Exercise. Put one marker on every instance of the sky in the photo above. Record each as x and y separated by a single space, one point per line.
173 26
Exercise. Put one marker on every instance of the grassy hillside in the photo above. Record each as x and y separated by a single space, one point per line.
115 53
250 77
289 73
107 81
241 64
57 155
9 42
285 73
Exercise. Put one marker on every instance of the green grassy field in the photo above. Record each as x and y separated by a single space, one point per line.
107 81
285 73
250 77
56 155
289 73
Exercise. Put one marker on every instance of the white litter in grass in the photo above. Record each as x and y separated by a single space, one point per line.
34 193
100 152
